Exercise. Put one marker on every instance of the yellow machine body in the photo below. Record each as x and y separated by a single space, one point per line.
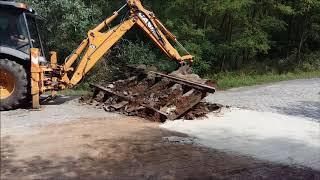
97 44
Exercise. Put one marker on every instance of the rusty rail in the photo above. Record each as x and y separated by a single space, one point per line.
195 85
175 97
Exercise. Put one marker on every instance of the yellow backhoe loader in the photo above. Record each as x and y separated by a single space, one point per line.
25 74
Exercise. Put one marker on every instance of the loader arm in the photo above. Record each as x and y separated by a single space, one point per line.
98 43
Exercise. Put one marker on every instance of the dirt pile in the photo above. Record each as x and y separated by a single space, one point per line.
155 96
185 72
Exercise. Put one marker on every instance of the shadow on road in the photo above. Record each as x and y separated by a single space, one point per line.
57 100
308 109
47 101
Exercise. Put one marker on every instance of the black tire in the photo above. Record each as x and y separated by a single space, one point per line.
19 94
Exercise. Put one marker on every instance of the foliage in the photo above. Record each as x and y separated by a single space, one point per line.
141 53
66 22
224 35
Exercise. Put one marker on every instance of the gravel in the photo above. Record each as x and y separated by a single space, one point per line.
64 109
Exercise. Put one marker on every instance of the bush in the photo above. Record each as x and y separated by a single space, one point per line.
141 53
311 62
125 53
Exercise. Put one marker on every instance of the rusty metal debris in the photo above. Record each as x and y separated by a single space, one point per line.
154 96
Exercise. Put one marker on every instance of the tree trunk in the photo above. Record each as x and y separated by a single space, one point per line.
222 67
205 26
302 39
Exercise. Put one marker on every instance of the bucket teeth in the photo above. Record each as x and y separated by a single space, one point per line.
151 95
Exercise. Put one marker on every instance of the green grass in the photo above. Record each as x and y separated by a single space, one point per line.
232 80
74 92
80 90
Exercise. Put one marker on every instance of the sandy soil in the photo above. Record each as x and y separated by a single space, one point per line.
118 147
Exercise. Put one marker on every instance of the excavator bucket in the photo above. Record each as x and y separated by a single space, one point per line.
153 95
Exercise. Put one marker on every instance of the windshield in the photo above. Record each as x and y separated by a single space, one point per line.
33 32
13 30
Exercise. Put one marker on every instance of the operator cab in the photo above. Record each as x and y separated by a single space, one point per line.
18 30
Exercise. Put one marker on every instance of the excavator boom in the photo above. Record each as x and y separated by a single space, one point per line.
165 96
99 43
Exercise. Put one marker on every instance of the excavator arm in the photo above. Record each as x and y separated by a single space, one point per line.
98 43
160 96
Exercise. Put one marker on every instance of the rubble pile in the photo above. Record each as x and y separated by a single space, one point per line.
154 96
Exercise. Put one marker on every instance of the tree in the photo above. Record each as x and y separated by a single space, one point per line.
224 35
66 22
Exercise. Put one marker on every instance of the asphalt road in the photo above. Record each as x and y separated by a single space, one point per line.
297 98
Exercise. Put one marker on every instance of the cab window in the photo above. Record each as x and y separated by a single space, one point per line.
33 32
13 31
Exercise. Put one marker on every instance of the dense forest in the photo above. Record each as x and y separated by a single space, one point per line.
250 36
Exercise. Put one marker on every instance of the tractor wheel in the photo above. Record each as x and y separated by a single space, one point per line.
13 85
